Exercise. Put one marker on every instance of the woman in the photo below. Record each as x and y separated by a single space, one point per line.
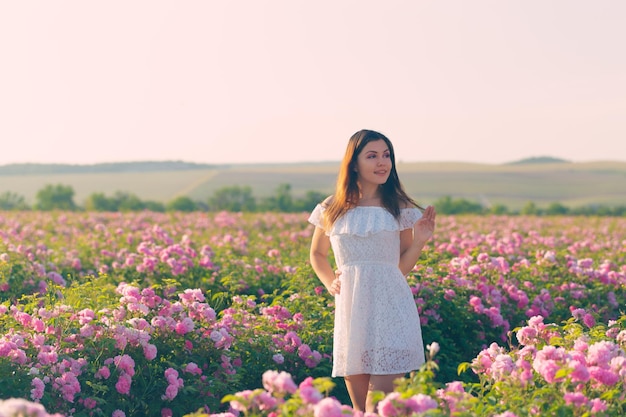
376 232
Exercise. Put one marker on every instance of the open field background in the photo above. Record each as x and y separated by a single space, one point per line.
572 184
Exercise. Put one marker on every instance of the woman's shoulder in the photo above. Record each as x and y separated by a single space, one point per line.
410 212
408 204
327 201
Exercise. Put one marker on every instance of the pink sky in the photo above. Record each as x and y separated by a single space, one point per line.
287 81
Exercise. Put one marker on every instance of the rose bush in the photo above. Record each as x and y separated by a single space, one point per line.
136 313
558 370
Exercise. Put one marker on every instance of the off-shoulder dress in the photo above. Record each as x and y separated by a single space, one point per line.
377 327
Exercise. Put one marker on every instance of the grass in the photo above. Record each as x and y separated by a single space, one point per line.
158 186
572 184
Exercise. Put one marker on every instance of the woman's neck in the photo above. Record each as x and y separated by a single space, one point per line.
369 195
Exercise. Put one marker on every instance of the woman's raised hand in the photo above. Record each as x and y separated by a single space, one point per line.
424 228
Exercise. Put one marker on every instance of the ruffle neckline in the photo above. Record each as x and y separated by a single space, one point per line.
366 220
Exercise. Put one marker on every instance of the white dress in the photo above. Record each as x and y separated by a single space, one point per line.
377 328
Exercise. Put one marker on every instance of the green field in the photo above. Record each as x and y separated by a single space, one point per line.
572 184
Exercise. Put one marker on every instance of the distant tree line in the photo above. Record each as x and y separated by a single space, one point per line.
234 198
448 205
241 199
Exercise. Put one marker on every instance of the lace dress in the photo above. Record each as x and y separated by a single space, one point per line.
377 327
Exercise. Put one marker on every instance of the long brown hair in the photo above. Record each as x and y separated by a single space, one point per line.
347 190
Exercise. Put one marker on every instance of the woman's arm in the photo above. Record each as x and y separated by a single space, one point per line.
320 247
412 241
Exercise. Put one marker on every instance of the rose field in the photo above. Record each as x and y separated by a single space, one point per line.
220 314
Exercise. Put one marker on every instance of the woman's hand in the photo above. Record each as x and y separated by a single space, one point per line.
335 287
424 228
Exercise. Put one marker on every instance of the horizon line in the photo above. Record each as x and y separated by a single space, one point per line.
536 159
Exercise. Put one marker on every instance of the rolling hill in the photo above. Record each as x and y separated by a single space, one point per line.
512 184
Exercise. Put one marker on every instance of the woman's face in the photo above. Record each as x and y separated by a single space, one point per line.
374 163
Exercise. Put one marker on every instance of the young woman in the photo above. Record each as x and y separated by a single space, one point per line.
376 232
